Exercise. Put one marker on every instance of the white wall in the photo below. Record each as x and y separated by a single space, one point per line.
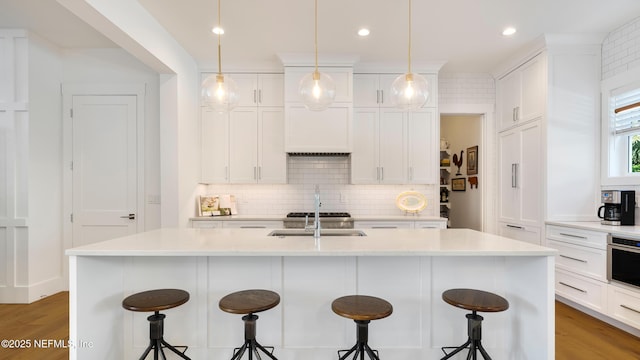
463 132
116 66
45 169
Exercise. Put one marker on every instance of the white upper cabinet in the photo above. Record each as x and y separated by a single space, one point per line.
260 89
521 94
392 146
214 141
247 144
257 146
374 90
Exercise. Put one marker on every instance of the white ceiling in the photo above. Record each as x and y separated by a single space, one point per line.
464 33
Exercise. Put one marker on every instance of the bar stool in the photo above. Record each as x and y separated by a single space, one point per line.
474 300
157 300
361 309
250 302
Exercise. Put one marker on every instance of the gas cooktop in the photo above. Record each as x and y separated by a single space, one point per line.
322 214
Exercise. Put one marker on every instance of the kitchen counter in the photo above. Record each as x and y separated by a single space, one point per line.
408 267
633 231
282 217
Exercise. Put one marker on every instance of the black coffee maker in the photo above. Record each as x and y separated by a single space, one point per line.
619 207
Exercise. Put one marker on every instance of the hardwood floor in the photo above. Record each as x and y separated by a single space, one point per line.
43 320
578 336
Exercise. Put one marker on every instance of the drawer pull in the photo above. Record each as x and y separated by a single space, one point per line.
629 308
574 236
252 227
572 258
573 287
384 227
515 227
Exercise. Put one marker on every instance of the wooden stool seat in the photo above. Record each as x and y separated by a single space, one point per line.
249 301
475 300
155 300
361 307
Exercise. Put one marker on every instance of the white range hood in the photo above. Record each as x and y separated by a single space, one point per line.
328 131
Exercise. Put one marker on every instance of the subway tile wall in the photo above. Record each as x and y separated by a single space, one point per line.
466 88
621 49
332 174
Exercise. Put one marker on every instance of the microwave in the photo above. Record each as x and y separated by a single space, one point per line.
623 257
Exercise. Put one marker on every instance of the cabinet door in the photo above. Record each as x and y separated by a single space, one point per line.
365 167
384 85
422 147
243 153
532 90
508 99
530 174
365 90
272 165
509 161
214 144
392 149
247 89
270 90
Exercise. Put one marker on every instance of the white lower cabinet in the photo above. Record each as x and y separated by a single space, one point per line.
404 224
383 225
624 305
530 234
237 224
582 290
581 267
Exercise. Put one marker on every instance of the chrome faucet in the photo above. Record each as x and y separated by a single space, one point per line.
316 224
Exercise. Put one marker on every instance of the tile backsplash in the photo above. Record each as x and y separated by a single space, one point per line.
332 174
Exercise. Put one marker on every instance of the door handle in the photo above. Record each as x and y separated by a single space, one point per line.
130 217
514 175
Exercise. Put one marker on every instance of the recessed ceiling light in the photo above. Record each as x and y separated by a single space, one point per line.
217 30
509 31
363 32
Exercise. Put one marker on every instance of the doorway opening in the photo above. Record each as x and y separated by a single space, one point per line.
461 170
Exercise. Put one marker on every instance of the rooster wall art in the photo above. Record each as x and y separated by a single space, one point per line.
458 161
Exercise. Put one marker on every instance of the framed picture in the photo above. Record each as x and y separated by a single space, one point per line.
459 184
472 160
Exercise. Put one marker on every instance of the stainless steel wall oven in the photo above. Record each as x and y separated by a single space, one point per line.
623 260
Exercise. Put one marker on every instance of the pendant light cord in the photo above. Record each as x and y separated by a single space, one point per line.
316 33
409 37
219 47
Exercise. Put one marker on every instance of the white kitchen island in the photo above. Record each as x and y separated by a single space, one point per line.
409 268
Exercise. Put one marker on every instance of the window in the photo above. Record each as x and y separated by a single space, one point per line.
624 131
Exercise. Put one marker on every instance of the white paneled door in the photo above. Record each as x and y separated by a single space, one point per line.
104 167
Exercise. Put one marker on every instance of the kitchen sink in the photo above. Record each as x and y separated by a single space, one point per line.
323 232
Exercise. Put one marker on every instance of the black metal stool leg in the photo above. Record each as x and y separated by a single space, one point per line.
361 347
474 344
250 344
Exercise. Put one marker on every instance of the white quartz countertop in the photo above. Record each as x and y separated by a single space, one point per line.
355 218
256 242
597 226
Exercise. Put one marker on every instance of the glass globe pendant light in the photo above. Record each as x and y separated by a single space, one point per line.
409 91
317 89
219 91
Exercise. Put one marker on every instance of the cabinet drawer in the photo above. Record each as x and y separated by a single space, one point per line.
583 260
518 232
585 291
268 224
206 224
430 225
594 239
383 224
624 305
